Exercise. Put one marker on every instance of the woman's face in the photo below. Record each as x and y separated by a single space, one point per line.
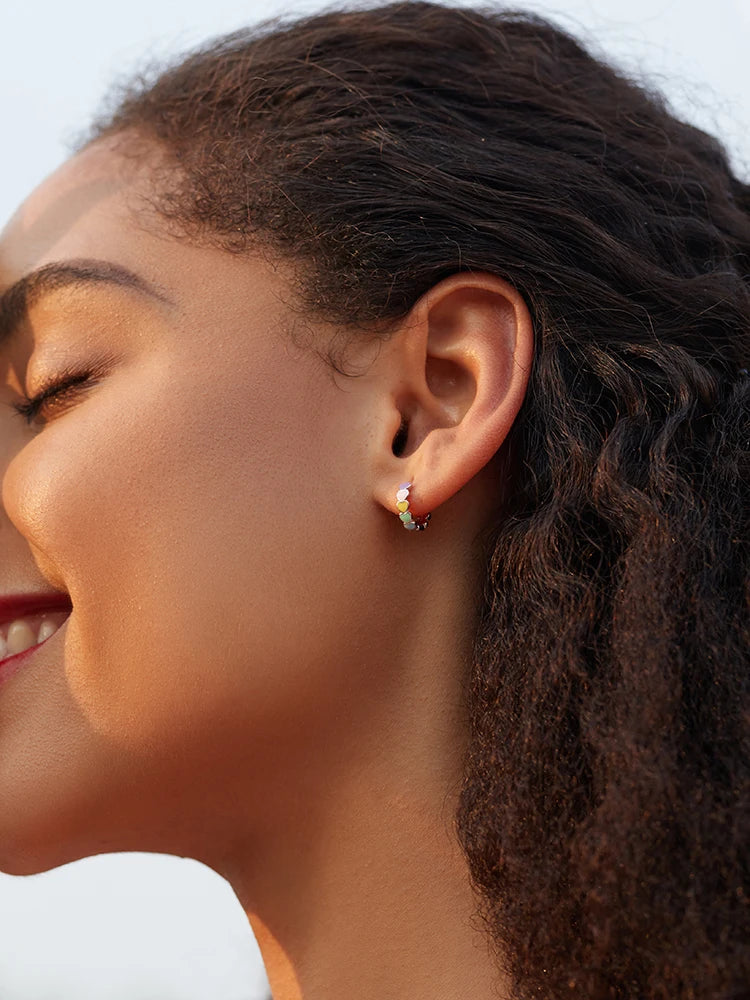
201 500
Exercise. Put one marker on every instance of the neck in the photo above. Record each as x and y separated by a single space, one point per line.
378 905
353 879
361 889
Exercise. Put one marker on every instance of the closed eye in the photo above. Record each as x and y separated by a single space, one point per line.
54 393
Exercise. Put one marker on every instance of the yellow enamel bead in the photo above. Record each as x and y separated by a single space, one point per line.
403 505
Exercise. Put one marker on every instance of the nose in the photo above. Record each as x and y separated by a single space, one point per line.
18 570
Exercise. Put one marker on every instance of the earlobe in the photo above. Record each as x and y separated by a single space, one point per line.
461 379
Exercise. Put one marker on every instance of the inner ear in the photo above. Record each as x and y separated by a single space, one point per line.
450 381
399 441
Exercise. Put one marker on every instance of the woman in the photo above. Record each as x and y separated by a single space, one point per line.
402 268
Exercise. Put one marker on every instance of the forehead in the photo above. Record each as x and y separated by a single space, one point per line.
83 209
98 209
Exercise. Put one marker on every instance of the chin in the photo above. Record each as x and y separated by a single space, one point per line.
49 833
25 858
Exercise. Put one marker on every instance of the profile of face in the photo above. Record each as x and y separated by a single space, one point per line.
218 507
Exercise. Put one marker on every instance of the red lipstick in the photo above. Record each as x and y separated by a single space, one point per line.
52 608
14 606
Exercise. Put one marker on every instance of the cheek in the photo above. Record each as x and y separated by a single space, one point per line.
202 533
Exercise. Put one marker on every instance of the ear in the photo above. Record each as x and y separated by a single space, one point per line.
456 374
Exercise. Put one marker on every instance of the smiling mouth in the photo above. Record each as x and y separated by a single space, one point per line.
22 627
31 630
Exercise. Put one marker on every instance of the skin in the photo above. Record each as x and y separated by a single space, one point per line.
262 670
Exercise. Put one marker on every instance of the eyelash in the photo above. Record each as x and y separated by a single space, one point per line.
55 389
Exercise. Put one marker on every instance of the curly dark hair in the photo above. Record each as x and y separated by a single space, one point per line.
605 810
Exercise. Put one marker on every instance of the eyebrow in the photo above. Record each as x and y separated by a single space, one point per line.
17 299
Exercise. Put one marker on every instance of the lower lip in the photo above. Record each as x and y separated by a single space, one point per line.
11 664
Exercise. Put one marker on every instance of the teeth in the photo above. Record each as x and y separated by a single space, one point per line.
46 629
20 637
23 633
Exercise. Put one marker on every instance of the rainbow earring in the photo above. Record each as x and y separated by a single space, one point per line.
409 520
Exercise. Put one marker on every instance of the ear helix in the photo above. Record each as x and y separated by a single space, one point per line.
410 521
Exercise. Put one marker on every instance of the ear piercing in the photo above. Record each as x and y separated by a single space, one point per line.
410 521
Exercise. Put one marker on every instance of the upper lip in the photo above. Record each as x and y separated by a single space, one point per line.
13 606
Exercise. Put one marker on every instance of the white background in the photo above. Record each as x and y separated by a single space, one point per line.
151 927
